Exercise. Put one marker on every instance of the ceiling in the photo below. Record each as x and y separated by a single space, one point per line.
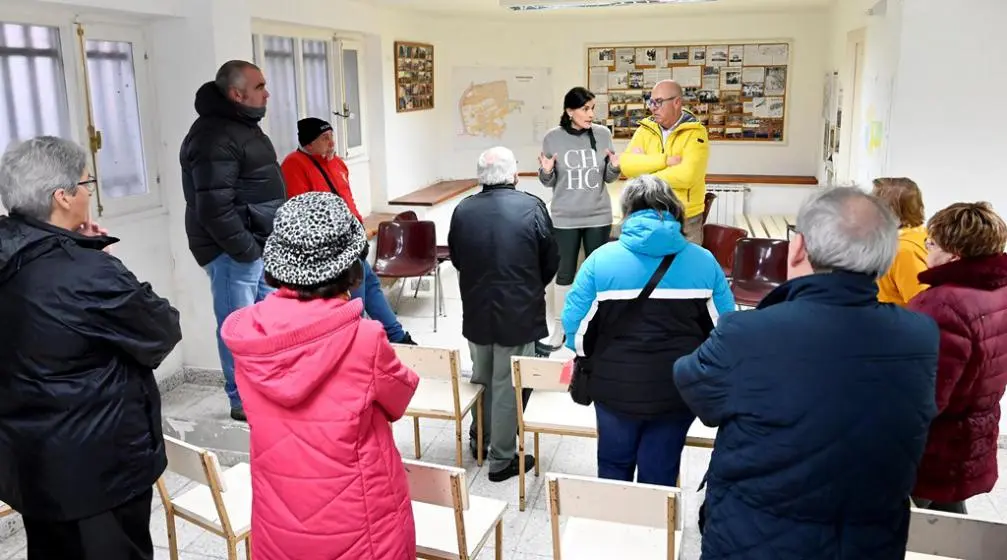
492 7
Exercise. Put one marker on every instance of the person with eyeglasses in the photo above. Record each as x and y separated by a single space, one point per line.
967 297
80 413
577 161
673 145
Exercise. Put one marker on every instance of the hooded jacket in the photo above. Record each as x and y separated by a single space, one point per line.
231 181
80 412
632 374
823 397
690 141
968 299
320 386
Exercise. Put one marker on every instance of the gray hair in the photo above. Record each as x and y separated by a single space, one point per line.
232 75
497 166
32 171
845 228
649 192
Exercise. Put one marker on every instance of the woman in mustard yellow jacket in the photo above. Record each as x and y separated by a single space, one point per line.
901 283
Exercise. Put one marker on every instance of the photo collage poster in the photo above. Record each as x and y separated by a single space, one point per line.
414 77
738 91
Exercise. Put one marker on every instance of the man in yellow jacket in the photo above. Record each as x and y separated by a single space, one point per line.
672 145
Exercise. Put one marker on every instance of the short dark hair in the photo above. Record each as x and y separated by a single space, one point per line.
349 280
968 230
232 75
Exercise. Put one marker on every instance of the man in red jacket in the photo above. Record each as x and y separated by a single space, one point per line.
316 167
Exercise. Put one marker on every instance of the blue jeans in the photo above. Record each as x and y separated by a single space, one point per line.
233 285
651 448
376 304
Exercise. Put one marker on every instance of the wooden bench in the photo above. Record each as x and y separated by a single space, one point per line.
435 193
767 226
371 222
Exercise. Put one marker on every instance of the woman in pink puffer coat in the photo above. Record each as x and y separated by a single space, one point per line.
320 386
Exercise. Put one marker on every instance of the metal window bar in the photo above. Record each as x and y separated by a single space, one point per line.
33 99
116 112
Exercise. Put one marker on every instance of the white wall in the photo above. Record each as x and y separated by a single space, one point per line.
562 46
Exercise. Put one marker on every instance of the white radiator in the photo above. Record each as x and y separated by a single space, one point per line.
729 204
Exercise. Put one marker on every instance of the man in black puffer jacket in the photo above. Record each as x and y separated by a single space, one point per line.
233 186
502 245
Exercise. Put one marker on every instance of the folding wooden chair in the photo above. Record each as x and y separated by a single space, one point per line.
441 393
450 524
935 535
613 519
221 503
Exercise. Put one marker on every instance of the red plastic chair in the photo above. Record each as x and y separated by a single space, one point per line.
721 241
407 216
707 205
409 250
760 265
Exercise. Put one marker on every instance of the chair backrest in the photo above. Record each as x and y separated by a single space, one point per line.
543 374
763 260
956 536
410 239
427 361
407 216
437 485
194 463
707 205
721 241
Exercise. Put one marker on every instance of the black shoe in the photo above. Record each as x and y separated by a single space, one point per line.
238 413
543 350
513 470
407 339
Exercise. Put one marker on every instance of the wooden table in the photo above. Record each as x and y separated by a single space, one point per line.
766 226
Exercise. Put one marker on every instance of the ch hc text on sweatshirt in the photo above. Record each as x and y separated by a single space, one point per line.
580 199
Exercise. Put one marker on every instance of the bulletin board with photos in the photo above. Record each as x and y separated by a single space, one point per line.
414 76
738 90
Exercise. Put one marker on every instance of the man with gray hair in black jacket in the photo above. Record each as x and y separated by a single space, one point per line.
233 186
502 245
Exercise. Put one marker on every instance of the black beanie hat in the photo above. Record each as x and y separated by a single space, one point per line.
309 129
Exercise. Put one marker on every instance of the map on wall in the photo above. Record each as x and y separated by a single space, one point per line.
501 106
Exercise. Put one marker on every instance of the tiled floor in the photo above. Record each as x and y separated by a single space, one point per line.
526 534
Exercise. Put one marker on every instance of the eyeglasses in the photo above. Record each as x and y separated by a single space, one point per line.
90 184
655 103
930 244
791 232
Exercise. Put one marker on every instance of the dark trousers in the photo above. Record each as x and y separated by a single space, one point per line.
122 533
651 448
946 507
569 242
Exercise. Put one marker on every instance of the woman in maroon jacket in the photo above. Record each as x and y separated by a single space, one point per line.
968 299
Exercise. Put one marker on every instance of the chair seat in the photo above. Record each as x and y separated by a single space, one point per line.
435 526
700 435
443 253
921 556
554 410
5 510
434 396
198 502
403 267
587 539
751 292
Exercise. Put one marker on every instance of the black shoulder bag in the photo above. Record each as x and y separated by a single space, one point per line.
328 181
579 389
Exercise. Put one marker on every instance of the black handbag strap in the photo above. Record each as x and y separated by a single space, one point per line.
324 174
632 309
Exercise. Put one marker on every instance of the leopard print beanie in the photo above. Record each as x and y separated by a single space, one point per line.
315 239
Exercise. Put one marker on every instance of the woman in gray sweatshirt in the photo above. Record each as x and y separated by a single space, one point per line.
577 161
